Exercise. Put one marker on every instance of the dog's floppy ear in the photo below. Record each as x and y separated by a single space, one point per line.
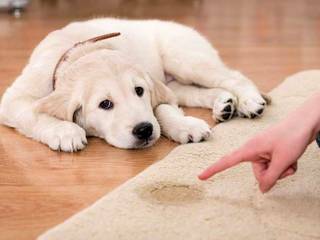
160 93
59 104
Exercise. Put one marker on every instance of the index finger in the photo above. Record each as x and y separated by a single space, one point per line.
226 162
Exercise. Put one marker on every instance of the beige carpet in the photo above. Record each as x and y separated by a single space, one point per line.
166 201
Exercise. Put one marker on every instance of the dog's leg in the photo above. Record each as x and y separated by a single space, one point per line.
18 110
191 60
180 128
58 135
222 102
18 102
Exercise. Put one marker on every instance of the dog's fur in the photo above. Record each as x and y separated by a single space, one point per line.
172 63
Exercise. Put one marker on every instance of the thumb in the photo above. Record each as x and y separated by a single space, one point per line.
276 168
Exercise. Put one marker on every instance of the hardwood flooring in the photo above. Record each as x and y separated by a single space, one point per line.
266 40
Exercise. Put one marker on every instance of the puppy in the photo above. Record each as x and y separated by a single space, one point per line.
87 79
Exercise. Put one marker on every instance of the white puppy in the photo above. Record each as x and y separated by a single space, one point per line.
113 87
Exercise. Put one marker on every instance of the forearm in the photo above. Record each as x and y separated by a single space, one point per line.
306 117
316 118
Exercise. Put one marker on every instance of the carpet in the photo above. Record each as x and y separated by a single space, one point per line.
167 201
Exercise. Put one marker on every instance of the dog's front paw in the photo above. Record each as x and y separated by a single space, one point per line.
65 136
251 106
224 107
191 130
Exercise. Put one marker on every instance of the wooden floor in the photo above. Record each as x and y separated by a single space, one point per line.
266 40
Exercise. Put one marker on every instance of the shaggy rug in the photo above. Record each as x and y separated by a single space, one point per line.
167 201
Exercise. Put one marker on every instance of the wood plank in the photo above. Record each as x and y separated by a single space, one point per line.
266 40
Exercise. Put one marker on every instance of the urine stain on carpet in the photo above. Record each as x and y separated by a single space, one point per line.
170 193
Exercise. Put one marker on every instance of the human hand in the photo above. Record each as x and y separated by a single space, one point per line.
274 152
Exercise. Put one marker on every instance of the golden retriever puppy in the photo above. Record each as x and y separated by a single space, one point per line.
122 81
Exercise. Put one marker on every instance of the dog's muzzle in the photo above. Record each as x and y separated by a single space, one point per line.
143 131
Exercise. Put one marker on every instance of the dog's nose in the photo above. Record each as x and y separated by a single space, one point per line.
143 130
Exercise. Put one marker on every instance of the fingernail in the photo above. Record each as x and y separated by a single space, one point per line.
262 190
201 177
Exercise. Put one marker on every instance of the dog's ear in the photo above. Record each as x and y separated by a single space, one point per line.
160 93
59 104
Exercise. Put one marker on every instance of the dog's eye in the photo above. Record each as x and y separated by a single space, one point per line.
139 91
106 104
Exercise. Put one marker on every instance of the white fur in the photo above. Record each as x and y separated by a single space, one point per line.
143 55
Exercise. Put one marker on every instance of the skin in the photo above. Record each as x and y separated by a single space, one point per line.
273 156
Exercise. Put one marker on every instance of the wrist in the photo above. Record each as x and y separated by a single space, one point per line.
307 118
312 115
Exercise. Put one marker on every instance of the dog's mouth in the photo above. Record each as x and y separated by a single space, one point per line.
145 143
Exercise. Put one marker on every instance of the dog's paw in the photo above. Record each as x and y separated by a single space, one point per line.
251 106
191 130
65 136
224 107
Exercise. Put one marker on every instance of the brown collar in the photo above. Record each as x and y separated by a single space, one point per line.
65 56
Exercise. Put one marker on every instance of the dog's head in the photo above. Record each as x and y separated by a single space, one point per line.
104 92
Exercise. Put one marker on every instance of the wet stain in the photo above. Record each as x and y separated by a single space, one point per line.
170 193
